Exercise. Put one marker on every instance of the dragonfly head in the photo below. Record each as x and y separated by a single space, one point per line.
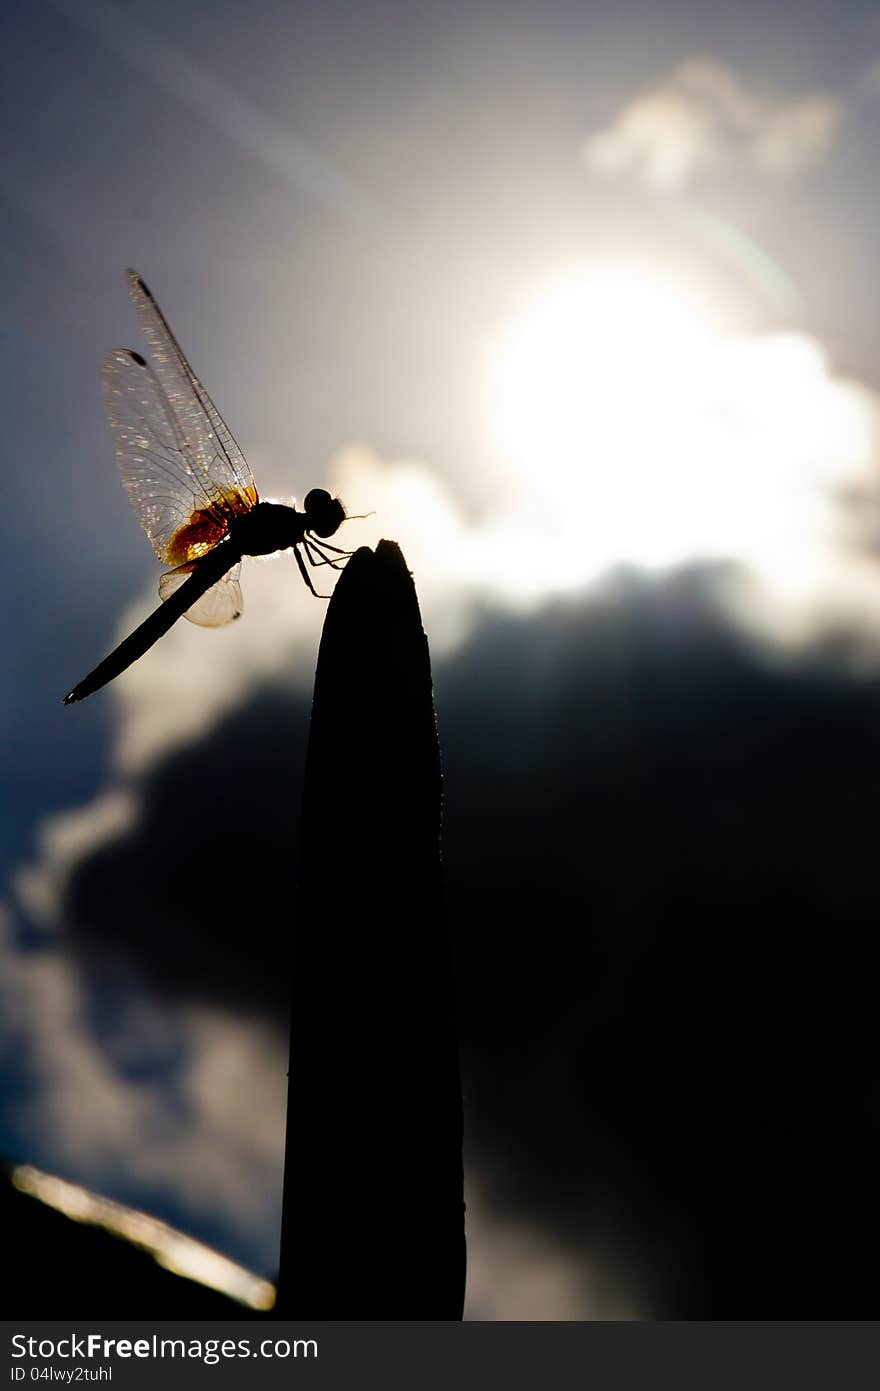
325 513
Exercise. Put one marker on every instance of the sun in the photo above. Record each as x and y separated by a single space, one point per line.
630 418
589 346
588 389
635 420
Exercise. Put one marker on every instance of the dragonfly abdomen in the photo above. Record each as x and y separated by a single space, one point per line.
211 568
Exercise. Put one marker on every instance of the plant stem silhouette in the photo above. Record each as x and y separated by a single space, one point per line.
373 1222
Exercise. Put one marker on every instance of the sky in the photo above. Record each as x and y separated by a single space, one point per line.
578 300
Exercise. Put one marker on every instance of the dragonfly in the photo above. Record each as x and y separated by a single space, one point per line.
193 492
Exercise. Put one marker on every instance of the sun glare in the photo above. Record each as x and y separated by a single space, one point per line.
574 362
588 391
635 423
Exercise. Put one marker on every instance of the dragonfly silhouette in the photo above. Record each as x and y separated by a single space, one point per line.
193 492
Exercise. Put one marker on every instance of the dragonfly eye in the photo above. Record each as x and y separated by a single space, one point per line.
325 513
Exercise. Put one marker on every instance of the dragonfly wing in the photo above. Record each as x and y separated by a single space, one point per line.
216 451
159 468
218 605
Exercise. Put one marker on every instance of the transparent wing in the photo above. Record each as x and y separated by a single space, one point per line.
214 448
181 514
218 605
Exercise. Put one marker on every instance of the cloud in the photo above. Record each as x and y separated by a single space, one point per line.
663 971
793 137
63 840
179 1108
636 428
641 966
704 117
515 1272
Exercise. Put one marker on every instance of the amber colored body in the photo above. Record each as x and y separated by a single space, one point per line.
207 526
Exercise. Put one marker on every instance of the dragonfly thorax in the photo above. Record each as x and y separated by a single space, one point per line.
272 526
268 527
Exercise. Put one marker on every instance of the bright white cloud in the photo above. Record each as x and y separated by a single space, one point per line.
703 116
637 426
209 1135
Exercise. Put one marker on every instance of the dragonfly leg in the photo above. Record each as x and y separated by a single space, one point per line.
327 547
305 574
311 545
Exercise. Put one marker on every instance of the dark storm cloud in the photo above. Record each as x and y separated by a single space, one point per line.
662 857
199 898
662 879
